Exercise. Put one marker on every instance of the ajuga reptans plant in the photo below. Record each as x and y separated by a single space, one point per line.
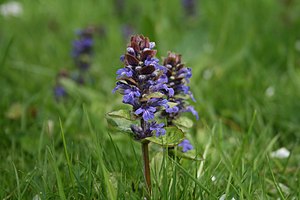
153 92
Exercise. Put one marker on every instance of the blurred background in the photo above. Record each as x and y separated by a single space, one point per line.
244 55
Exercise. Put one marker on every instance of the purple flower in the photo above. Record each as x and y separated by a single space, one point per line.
121 87
130 96
122 58
178 78
186 145
83 48
158 102
174 109
151 45
183 88
141 76
148 112
193 111
158 128
59 91
185 73
164 88
126 71
151 61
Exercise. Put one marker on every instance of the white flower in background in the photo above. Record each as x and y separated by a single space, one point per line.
213 178
12 8
280 153
223 197
36 197
270 91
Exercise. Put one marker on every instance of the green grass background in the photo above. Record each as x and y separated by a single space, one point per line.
246 79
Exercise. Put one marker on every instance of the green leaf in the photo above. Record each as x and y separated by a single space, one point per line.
184 123
119 124
125 114
191 154
172 104
120 120
152 95
172 137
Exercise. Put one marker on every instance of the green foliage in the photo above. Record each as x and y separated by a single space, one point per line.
184 123
172 137
120 121
244 56
191 154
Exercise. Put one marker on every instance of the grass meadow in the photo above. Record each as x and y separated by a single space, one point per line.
245 59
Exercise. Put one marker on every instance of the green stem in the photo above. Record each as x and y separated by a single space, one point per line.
145 153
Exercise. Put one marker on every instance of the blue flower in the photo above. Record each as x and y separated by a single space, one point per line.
126 71
185 73
193 111
121 87
151 45
142 75
157 102
173 109
158 128
186 145
83 48
178 77
131 95
59 91
154 62
148 112
122 58
162 87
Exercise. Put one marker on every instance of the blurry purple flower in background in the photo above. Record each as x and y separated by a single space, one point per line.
82 54
186 145
127 30
59 90
82 51
189 7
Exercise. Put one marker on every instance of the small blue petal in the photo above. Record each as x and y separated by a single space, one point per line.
186 145
148 115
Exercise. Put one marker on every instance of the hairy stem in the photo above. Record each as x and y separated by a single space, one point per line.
145 153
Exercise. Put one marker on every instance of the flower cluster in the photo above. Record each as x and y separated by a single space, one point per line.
83 48
178 78
151 88
140 78
82 53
